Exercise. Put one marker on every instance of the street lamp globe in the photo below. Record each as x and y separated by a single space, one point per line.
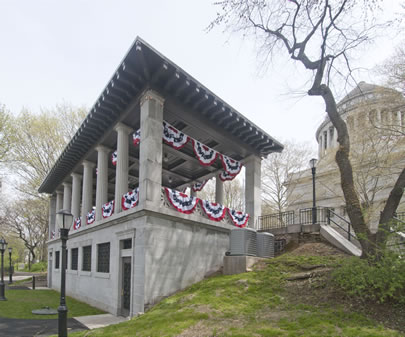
64 219
312 163
3 244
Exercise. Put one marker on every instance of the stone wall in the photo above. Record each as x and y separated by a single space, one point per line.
169 254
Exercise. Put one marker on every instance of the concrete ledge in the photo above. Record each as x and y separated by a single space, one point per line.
290 229
239 264
311 228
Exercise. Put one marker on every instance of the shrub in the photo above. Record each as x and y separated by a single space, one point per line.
37 267
380 280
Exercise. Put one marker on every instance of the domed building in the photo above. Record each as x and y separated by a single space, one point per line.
376 123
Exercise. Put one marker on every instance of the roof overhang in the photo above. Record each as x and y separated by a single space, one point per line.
145 68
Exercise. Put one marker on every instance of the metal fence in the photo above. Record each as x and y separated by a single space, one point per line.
276 220
306 215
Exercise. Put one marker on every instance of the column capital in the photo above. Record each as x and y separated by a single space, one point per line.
76 175
87 163
122 127
102 148
252 158
65 184
59 192
151 94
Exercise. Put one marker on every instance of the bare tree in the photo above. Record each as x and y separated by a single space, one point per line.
393 70
280 174
320 35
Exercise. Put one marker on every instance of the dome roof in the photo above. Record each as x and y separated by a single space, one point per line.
361 89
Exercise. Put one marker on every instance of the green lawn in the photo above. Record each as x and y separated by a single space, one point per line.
20 303
250 304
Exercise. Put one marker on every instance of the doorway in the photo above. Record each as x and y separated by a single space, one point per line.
126 286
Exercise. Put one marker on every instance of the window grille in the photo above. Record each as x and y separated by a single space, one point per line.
86 266
127 244
103 257
75 257
57 259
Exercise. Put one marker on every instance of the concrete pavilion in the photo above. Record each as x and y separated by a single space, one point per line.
133 258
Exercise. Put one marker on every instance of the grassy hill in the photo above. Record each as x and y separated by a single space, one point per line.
287 296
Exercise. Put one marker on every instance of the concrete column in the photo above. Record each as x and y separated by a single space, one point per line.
59 201
320 146
121 169
67 196
150 155
253 188
219 191
87 191
102 179
192 192
76 189
52 214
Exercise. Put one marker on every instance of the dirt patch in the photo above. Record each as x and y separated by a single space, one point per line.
317 249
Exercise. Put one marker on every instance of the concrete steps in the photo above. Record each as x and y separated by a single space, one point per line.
336 239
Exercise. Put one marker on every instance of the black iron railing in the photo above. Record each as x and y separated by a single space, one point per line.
276 220
306 215
340 222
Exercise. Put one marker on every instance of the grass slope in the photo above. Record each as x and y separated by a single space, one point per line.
20 303
251 304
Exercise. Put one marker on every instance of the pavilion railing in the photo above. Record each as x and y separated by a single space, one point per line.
306 215
276 220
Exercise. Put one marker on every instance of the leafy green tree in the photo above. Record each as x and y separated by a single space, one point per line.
38 139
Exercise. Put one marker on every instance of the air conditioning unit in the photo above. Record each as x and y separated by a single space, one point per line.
265 244
243 242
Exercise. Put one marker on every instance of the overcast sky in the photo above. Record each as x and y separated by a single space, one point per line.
66 51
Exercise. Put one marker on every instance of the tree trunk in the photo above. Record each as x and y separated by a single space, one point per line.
346 171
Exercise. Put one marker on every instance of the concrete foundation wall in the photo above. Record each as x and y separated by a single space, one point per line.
169 254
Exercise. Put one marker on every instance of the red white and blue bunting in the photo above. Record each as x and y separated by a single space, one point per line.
77 223
174 137
114 158
136 137
180 201
130 199
224 176
108 209
91 217
213 210
230 165
239 219
205 155
199 186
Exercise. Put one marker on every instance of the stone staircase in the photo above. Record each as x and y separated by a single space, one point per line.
338 240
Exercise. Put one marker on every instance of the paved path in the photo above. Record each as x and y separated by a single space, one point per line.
99 321
10 327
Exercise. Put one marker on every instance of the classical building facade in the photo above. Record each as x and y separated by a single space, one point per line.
376 123
153 132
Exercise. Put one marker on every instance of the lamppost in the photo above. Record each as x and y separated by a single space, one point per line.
3 245
10 273
312 164
64 221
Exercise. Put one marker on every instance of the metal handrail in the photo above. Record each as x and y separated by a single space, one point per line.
329 220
